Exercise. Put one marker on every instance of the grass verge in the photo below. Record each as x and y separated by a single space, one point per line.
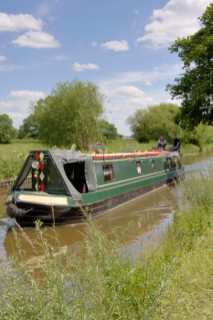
172 281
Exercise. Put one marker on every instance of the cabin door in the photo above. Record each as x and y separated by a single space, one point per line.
75 172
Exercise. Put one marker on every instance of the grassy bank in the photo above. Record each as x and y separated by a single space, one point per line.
13 155
172 281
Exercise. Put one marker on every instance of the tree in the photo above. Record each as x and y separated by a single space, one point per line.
70 114
137 124
149 124
203 135
195 86
108 130
6 128
29 128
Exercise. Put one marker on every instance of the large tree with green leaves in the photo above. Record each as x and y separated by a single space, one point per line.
6 128
70 114
195 86
148 124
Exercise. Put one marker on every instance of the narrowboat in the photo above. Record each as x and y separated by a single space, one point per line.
60 186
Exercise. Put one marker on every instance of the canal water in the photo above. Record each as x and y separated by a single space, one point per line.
136 224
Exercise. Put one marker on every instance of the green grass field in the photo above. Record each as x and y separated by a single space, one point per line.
12 156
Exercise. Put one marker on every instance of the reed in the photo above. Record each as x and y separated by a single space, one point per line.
169 281
189 242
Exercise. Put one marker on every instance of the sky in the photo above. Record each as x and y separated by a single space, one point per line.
120 45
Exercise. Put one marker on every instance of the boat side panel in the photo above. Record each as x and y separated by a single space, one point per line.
127 168
68 214
128 186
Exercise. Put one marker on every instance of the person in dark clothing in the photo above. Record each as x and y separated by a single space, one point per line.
176 144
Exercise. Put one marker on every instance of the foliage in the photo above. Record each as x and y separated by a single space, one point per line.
150 123
6 129
195 86
203 135
108 130
29 128
70 114
105 283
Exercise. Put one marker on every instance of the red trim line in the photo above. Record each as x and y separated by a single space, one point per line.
128 155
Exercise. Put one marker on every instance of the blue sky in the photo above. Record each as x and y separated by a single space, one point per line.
120 45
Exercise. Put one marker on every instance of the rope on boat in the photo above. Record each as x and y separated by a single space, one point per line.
14 211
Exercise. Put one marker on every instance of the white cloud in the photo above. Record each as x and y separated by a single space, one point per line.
8 68
118 110
127 92
46 8
3 58
179 18
81 67
116 45
164 72
15 23
37 40
124 99
26 95
59 57
17 104
131 91
94 44
125 95
136 12
34 37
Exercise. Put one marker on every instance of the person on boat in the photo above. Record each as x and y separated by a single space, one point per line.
176 143
162 143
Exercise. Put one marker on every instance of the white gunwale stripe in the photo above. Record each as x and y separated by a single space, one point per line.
49 200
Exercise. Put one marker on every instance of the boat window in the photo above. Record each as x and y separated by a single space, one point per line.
108 172
139 168
26 183
168 164
40 176
54 183
153 165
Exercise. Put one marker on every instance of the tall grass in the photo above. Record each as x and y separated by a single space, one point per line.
189 241
12 157
106 284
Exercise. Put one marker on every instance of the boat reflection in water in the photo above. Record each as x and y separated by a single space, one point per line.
135 224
